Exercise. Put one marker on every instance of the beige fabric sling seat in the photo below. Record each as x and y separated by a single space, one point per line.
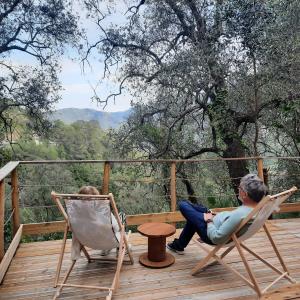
255 220
89 217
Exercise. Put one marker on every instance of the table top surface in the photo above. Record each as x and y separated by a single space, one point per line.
156 229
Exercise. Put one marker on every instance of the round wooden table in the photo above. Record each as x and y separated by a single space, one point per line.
156 257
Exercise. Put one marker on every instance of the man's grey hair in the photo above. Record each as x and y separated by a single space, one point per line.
254 187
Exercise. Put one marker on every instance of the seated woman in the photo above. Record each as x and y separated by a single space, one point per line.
91 190
216 229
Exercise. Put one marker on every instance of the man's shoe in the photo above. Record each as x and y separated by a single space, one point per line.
174 247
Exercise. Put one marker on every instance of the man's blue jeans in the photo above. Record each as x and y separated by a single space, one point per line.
194 215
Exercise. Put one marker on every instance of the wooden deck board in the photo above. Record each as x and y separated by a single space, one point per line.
31 273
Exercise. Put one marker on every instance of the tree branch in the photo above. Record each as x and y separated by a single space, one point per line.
201 151
136 7
188 30
7 12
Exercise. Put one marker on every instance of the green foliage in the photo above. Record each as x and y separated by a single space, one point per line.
39 30
81 140
208 78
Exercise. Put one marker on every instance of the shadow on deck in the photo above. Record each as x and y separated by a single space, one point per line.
31 273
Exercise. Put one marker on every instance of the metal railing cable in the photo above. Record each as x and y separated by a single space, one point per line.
119 181
9 218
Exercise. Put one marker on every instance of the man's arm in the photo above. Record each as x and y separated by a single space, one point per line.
221 234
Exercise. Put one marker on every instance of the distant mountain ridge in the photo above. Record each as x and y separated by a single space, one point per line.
105 119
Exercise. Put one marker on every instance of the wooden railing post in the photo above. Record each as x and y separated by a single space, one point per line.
15 201
2 209
105 181
260 169
173 186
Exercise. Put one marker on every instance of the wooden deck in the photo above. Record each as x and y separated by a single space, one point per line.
31 273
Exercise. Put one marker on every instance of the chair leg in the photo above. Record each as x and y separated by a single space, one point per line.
247 266
285 274
205 260
58 269
227 251
64 280
276 250
126 239
109 296
121 255
86 253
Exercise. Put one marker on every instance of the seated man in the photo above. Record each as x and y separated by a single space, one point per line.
216 229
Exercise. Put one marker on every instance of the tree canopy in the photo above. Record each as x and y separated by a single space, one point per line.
38 29
206 76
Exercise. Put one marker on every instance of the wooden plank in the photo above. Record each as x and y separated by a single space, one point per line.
2 214
41 228
289 207
260 170
154 160
15 200
29 279
7 169
287 292
105 183
39 265
173 186
167 217
10 253
44 268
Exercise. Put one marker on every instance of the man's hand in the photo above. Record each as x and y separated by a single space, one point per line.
208 217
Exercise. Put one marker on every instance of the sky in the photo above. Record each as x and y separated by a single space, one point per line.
78 85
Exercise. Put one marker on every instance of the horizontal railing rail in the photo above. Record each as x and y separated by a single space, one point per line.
157 160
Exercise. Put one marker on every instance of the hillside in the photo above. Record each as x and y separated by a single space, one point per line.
105 119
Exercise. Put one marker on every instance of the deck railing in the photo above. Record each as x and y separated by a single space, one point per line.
9 173
9 170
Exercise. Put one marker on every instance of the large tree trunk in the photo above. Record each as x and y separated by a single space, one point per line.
236 168
188 185
224 121
190 190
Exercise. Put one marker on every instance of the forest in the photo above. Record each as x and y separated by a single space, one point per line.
208 78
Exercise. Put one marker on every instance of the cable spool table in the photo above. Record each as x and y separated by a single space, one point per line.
156 257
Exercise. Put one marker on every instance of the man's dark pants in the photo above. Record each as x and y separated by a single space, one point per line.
194 215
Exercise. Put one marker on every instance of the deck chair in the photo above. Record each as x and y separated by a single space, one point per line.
89 218
248 227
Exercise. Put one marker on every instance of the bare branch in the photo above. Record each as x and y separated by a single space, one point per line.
188 30
200 23
135 7
115 44
9 10
201 151
275 103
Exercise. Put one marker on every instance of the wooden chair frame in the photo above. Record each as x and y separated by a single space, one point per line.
240 246
123 245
